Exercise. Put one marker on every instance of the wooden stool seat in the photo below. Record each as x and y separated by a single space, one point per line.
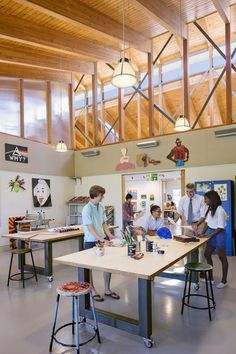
21 250
74 288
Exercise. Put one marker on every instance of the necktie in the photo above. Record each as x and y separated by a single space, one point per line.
190 212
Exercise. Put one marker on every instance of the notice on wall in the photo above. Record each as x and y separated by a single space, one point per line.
16 153
221 189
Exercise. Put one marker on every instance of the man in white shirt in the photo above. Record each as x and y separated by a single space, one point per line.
154 222
191 207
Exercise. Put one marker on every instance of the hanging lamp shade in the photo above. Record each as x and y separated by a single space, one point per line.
182 124
61 146
124 74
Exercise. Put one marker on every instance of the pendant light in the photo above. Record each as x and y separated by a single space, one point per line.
124 74
181 123
61 146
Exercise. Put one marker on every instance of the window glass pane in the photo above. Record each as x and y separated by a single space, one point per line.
35 110
60 112
9 106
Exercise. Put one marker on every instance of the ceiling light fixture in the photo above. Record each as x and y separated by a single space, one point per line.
182 124
61 146
124 74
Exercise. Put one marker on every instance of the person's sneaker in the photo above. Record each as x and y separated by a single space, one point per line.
203 280
221 285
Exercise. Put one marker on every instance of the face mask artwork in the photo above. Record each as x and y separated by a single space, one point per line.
41 192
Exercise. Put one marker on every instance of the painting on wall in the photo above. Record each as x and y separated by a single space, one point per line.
16 153
41 192
124 161
221 189
152 197
179 154
143 196
203 186
143 160
133 192
17 184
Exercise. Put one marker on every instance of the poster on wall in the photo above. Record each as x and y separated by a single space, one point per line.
221 189
203 186
133 192
16 153
17 184
41 192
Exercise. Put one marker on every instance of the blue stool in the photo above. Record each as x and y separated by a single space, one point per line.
74 290
206 270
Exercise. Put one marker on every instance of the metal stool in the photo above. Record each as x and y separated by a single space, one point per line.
74 290
21 252
206 270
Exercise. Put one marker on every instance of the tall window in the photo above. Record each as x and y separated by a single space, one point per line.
60 112
9 106
35 110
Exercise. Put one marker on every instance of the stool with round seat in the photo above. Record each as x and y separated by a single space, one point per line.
75 290
206 270
22 252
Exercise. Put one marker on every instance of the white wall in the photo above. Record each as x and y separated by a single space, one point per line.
13 204
113 185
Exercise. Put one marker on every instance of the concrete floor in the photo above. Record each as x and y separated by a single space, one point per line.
26 314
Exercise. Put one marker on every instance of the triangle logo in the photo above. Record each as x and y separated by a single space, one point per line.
16 152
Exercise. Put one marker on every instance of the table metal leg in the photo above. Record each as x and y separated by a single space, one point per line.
145 307
48 259
21 257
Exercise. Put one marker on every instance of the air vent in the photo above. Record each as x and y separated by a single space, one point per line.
225 133
147 144
90 153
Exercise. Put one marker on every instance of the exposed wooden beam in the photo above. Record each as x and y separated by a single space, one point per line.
102 113
185 78
49 112
22 110
121 115
72 115
79 14
159 12
139 121
229 107
26 72
222 7
160 98
150 95
22 31
10 52
95 105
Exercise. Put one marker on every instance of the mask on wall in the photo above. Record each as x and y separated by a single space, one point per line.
17 184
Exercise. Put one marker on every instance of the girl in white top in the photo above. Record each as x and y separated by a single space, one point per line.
216 221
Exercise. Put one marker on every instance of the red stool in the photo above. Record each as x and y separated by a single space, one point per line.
75 289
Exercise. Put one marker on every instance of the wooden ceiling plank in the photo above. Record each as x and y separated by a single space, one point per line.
33 73
222 7
159 12
79 14
33 57
22 31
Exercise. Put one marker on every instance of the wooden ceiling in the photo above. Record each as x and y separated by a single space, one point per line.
60 40
69 35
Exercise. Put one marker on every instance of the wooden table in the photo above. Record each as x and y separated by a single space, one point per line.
116 261
47 238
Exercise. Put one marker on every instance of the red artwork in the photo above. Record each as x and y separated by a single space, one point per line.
179 154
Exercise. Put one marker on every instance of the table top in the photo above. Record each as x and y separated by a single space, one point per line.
116 260
43 236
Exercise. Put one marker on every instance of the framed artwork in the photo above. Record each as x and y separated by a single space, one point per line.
221 189
143 196
152 197
203 187
41 192
134 193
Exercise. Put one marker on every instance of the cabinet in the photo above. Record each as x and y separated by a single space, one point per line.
75 213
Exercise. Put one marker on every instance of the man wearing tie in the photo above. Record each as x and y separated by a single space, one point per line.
190 209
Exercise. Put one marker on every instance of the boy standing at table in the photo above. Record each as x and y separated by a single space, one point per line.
96 229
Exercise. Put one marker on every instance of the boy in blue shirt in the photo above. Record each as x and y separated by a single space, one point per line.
96 229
